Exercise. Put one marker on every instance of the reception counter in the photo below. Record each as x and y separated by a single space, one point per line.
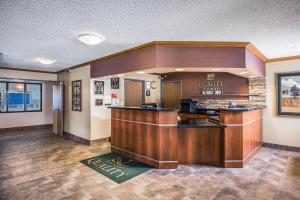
156 137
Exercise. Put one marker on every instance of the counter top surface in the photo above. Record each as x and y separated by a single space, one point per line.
198 123
146 109
215 111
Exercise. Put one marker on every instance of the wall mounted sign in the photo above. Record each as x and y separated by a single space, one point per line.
211 86
99 87
148 85
148 93
76 95
98 102
115 83
114 95
288 94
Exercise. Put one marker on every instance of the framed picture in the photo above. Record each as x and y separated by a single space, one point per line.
99 102
99 87
115 82
288 94
76 95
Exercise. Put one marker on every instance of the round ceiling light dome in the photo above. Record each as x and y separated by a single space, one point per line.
91 39
45 61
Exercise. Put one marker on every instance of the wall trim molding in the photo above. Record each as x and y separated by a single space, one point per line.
283 59
23 128
27 70
281 147
83 140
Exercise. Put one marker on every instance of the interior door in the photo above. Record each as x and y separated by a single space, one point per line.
171 94
134 92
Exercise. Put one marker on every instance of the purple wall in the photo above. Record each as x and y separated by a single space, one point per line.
179 56
195 56
254 64
133 61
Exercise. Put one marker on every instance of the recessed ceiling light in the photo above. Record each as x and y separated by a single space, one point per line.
140 72
45 61
91 39
216 69
179 69
243 73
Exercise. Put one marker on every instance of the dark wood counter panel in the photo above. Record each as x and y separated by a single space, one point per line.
242 136
202 146
147 136
156 138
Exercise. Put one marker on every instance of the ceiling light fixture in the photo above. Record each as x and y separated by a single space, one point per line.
140 72
120 75
242 73
91 39
252 76
45 61
179 69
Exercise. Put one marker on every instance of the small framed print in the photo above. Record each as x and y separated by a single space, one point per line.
115 83
288 94
76 95
99 87
98 102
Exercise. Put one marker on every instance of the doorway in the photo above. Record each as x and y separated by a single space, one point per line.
134 92
171 94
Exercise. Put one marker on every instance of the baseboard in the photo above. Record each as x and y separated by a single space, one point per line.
25 128
143 159
281 147
83 140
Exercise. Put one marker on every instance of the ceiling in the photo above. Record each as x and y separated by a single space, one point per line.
34 28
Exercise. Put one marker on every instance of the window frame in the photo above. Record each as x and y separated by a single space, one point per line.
25 90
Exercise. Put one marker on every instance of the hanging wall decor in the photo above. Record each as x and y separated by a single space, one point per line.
76 95
115 82
99 87
98 102
288 94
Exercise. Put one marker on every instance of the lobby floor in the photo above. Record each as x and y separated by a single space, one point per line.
39 165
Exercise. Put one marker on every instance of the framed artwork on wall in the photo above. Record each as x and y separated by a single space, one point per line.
76 95
115 82
98 102
288 92
99 87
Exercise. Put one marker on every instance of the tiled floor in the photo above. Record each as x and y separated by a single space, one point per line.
39 165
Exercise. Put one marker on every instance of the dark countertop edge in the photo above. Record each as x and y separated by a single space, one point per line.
145 109
224 109
241 109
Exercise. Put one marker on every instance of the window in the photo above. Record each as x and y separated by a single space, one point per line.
20 97
33 97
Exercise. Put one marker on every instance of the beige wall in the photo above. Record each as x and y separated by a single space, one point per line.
9 120
100 115
27 75
279 129
77 123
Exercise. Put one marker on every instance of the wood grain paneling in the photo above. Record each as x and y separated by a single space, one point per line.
147 136
242 136
199 146
171 94
134 92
